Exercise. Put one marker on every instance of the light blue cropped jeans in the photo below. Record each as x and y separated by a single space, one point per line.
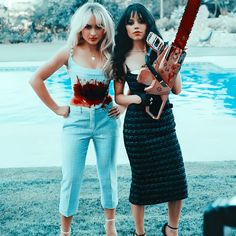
82 125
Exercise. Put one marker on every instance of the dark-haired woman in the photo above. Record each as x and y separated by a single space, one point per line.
158 173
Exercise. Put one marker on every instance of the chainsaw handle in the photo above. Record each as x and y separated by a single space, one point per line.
152 69
164 99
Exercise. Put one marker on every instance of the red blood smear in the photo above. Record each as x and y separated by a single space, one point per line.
90 94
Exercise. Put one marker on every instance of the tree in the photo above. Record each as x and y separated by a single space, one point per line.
53 16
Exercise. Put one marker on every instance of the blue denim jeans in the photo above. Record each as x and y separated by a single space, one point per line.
82 125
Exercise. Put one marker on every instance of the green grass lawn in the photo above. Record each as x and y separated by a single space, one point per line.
29 199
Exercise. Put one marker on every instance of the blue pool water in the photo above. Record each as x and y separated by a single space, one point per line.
205 114
203 85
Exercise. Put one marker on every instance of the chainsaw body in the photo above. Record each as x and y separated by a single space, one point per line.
160 76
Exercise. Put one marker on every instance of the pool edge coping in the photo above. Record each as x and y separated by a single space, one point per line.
227 62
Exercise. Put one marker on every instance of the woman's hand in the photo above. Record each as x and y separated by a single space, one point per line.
63 111
116 111
177 85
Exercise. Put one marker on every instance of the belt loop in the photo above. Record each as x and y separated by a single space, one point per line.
81 110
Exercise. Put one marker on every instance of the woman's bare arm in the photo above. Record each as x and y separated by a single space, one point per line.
122 99
43 73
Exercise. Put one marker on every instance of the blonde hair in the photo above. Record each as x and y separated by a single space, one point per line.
103 19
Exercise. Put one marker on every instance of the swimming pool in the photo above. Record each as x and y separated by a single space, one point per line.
205 115
207 89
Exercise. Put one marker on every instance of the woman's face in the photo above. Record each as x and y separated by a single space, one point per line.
92 33
136 28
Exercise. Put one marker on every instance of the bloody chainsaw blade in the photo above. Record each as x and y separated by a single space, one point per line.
160 76
186 23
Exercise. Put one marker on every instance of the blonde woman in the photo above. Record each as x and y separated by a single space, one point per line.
90 114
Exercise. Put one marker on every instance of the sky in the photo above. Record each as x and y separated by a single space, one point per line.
10 3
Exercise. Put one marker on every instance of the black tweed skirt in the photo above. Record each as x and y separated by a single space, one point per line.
158 173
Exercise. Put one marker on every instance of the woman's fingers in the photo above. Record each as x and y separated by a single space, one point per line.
67 112
63 111
114 111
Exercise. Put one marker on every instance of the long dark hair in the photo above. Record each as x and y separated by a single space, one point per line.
123 44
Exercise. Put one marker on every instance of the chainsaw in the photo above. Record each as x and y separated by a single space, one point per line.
160 76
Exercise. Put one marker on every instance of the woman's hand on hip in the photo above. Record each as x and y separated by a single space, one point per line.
116 111
63 111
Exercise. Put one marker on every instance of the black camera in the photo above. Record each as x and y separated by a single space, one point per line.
219 216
